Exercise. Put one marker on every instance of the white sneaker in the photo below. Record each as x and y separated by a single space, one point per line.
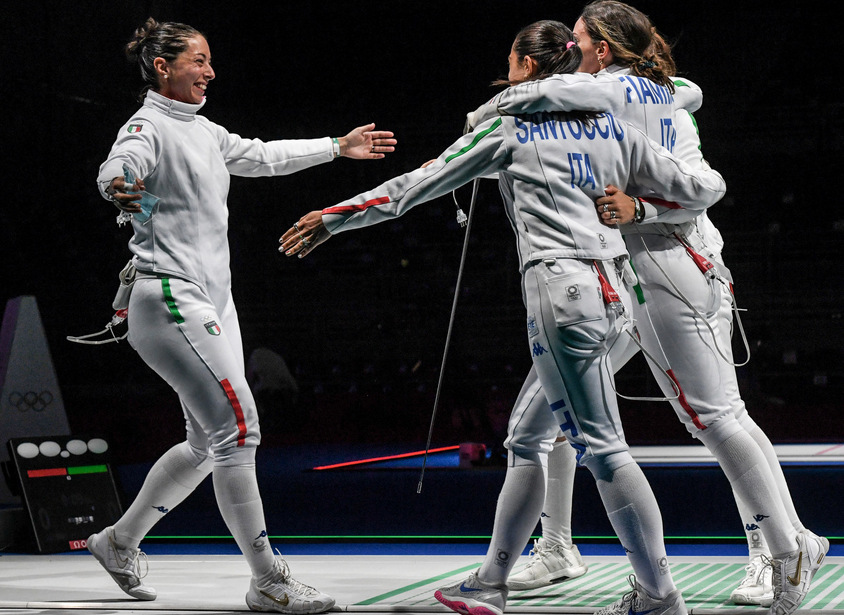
473 597
793 574
122 564
639 601
285 594
756 587
549 565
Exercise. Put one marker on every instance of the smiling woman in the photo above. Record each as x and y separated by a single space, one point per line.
186 78
170 55
182 318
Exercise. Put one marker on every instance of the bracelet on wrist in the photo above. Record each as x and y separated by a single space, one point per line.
639 210
335 146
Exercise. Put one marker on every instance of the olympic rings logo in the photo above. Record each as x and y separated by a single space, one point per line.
37 402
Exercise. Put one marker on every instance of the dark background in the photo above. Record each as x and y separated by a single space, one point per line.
362 322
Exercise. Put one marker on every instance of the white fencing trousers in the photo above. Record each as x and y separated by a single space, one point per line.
196 347
682 305
569 332
532 428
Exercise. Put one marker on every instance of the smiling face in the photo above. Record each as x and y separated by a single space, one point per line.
185 78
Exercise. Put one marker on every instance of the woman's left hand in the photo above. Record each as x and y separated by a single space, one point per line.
304 235
364 143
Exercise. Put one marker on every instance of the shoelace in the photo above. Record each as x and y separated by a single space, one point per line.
141 557
751 573
756 568
284 572
539 550
131 562
776 577
631 595
536 554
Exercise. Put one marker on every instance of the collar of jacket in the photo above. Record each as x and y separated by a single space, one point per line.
185 112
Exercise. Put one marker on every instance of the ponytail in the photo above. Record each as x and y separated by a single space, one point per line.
157 40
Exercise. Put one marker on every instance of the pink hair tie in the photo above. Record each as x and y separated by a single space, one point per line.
570 44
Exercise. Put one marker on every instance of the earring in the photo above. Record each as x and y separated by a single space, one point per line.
601 62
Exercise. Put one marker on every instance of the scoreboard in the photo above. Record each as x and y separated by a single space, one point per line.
67 488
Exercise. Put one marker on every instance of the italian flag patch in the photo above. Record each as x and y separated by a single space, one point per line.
213 328
134 128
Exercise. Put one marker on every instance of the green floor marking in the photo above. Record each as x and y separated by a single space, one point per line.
704 585
412 586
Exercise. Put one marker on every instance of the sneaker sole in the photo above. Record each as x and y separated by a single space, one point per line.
545 581
461 607
262 608
756 600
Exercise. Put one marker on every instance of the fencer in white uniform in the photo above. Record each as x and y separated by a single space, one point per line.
551 168
680 313
182 319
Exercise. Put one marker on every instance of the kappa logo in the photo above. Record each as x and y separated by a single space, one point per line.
538 349
259 544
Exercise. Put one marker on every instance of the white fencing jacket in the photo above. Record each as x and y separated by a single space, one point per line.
664 116
185 160
551 169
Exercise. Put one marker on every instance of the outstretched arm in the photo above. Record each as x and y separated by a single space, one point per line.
364 143
308 231
570 92
469 157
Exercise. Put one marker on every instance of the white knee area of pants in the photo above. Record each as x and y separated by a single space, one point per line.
232 455
199 458
565 452
517 459
603 467
747 423
719 432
